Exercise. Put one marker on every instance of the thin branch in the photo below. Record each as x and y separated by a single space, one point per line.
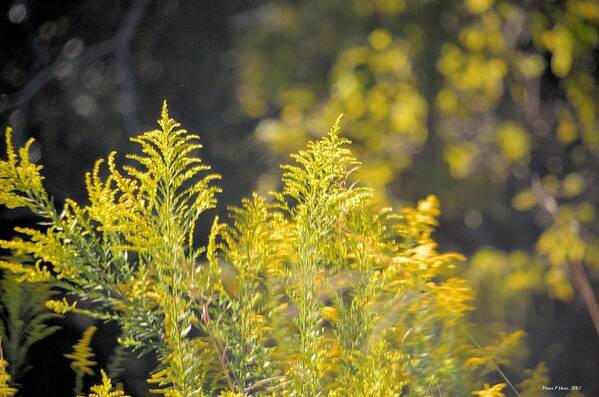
118 45
501 373
46 75
265 382
123 63
586 291
219 349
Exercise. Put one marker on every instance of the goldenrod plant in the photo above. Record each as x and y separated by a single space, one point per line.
311 291
5 389
356 302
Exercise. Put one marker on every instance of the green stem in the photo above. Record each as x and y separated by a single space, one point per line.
503 375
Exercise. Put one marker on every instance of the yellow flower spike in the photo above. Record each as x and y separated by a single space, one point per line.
105 389
475 362
81 357
5 389
10 149
83 354
60 307
20 180
489 391
32 274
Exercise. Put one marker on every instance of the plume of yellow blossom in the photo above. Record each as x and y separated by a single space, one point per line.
489 391
105 389
81 357
60 307
5 389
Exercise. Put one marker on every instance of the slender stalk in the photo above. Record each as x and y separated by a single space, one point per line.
220 353
501 373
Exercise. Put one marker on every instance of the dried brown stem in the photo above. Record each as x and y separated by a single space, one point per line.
586 291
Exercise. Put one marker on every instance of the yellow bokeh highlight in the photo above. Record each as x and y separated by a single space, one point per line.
513 141
478 6
380 39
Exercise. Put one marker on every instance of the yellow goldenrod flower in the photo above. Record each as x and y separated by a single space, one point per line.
81 357
475 362
106 389
489 391
60 307
5 389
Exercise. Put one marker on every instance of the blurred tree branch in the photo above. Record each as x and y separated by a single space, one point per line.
122 40
47 74
118 45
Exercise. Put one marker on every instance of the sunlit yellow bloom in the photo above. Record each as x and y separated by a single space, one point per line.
489 391
5 389
82 354
105 389
329 313
60 307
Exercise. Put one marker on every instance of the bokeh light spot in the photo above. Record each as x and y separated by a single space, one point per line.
17 13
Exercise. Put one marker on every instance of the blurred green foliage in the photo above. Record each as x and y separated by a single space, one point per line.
23 321
490 104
